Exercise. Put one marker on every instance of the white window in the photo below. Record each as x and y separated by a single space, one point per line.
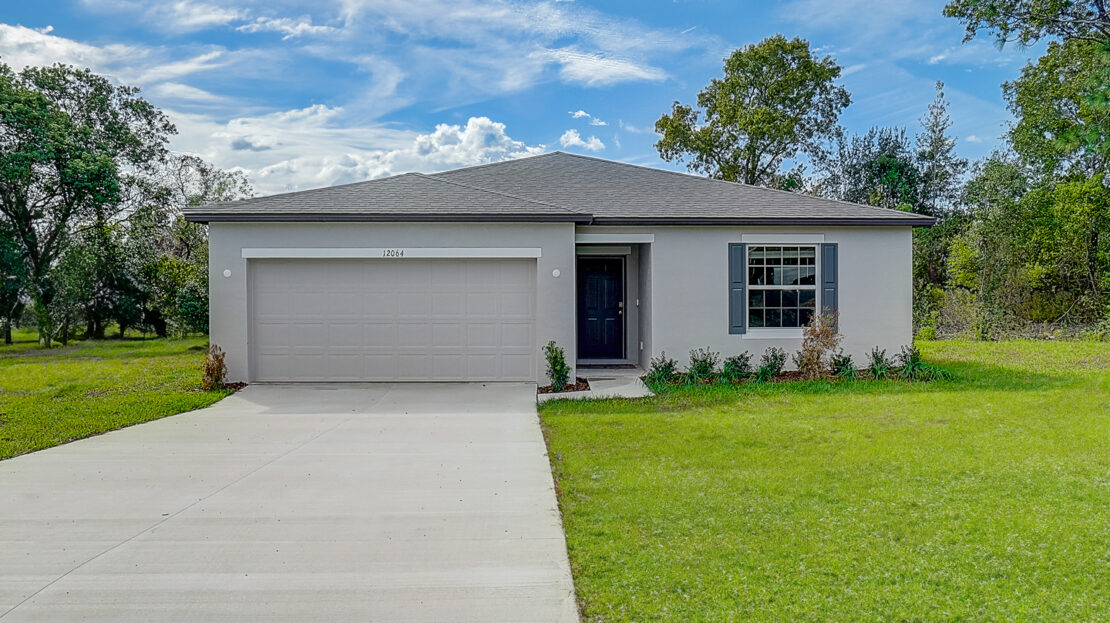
782 286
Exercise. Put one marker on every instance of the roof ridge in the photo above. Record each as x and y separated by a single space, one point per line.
742 184
503 194
493 164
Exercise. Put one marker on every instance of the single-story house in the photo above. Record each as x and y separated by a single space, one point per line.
464 275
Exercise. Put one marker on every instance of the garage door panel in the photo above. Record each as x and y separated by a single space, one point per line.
393 320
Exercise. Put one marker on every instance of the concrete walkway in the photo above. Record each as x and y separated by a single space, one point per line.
295 503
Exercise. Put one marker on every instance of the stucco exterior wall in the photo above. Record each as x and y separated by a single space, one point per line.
555 296
686 289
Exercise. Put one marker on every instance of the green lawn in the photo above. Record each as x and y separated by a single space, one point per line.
981 498
48 397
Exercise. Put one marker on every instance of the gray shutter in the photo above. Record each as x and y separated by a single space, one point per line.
737 287
829 301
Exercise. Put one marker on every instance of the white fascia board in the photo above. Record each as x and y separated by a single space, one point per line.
392 253
783 238
614 238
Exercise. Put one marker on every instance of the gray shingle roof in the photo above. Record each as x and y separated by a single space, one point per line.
556 186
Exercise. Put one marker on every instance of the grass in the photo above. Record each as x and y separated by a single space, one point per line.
983 497
50 397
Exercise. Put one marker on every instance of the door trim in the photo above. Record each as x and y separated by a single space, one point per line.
624 309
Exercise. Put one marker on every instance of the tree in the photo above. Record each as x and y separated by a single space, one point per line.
877 168
70 144
1060 103
776 100
1027 21
940 169
169 256
11 282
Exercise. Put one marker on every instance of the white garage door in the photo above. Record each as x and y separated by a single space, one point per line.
393 320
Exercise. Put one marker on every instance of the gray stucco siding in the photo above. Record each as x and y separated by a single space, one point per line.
230 296
687 293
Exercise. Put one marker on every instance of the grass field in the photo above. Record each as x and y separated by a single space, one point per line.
48 397
982 498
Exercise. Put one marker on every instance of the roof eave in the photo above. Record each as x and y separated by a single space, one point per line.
915 221
216 217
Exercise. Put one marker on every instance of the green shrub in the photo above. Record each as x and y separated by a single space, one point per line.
662 371
879 366
914 368
927 332
703 366
736 367
557 368
770 364
843 366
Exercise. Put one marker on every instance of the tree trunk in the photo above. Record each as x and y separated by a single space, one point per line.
8 331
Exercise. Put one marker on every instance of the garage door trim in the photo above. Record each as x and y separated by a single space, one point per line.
391 253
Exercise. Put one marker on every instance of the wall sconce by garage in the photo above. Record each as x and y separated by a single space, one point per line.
227 272
555 273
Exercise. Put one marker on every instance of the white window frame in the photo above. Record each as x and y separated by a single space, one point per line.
780 332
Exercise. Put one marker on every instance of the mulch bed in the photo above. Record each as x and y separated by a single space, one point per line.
581 386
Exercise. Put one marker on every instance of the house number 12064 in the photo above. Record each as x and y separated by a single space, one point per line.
393 253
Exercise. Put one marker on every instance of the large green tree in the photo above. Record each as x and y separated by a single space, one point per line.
1027 21
775 101
877 168
70 144
1060 104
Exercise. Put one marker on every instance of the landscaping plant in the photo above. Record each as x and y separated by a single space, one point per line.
819 339
843 367
703 366
662 371
770 364
736 367
215 370
557 369
879 367
914 368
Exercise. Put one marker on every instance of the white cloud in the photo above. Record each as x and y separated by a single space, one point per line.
287 26
581 114
571 138
21 47
175 15
973 139
635 129
178 91
593 69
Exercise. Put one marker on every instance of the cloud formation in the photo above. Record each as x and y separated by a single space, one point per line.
571 138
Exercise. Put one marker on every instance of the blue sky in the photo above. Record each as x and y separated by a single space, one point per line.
301 95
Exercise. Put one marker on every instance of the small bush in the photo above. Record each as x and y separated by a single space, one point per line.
914 368
662 371
703 366
879 367
927 332
214 369
770 364
557 369
736 367
819 338
843 366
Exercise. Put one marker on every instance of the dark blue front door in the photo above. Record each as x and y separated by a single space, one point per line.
600 308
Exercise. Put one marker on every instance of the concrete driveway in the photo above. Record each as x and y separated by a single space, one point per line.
405 502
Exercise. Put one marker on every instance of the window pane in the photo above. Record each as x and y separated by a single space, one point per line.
774 318
790 318
790 256
755 318
755 276
755 298
807 276
790 276
774 256
755 255
807 253
808 298
789 298
773 298
805 316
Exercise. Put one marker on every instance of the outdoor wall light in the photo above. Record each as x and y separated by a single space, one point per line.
555 273
227 272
